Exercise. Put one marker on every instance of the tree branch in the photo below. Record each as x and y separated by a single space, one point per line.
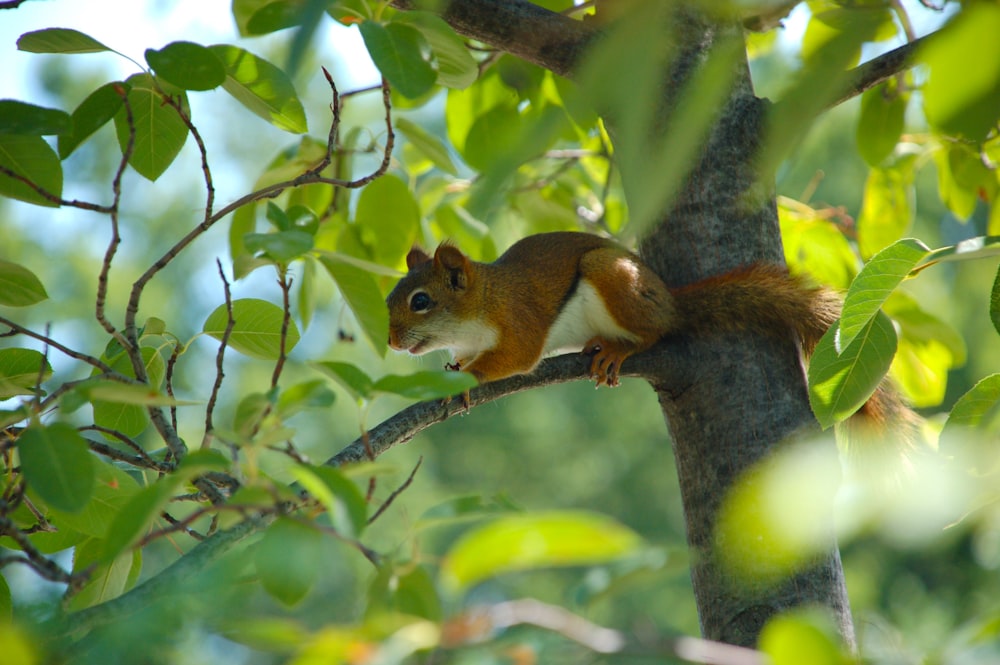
875 71
518 27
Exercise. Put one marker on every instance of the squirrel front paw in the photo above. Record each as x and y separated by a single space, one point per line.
606 361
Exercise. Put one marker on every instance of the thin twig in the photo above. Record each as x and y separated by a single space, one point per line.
76 355
141 457
286 308
219 357
395 493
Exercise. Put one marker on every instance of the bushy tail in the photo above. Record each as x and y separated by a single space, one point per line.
764 298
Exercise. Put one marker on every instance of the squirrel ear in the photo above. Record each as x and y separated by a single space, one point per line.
416 257
457 264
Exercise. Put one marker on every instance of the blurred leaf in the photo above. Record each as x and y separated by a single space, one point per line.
876 282
56 463
995 303
108 580
23 118
308 296
344 503
19 647
397 51
536 540
137 516
840 383
491 136
456 68
113 488
59 40
794 638
929 348
426 385
431 146
6 605
116 392
363 296
21 370
257 328
961 200
160 133
93 113
262 88
19 287
880 123
349 376
977 407
282 247
305 395
824 32
288 559
962 93
407 590
30 157
274 16
187 65
387 219
887 210
814 245
464 508
463 107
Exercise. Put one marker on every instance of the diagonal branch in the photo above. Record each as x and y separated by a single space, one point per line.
875 71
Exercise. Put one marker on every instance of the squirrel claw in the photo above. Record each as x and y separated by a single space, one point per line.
607 360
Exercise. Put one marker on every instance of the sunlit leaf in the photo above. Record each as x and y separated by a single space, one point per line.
456 68
57 464
887 210
30 157
962 93
791 639
281 246
839 383
428 144
880 122
160 132
288 559
262 88
397 50
21 370
22 118
977 407
257 328
59 40
426 385
876 282
387 220
187 65
107 580
536 540
19 287
93 113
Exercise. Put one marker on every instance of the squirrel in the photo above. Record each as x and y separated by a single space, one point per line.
571 291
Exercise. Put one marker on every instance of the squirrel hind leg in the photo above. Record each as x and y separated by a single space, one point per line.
607 358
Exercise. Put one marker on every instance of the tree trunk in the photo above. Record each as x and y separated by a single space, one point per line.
747 394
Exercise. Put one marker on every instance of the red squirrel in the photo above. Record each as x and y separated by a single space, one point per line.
568 291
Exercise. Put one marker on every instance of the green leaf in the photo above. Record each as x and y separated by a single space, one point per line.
274 16
537 540
305 395
801 637
59 40
257 328
262 88
23 118
113 489
18 286
364 298
397 51
7 612
30 157
463 107
880 123
962 93
115 392
876 282
431 146
995 302
929 348
138 515
825 32
288 559
21 370
56 463
977 407
93 113
387 220
187 65
426 385
839 384
281 247
344 502
107 580
887 210
129 418
407 590
456 68
353 379
160 133
491 137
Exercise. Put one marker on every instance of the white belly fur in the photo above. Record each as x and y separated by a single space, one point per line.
585 316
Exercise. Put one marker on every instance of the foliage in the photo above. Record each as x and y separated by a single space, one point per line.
133 460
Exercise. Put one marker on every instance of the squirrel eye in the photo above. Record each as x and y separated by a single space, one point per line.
420 302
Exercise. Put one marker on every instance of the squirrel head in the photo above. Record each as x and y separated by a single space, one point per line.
430 303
